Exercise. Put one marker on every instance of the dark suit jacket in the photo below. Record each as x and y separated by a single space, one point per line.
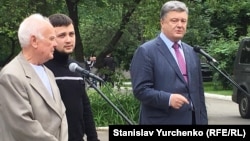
155 75
27 110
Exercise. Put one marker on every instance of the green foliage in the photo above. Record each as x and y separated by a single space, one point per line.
226 14
13 12
225 52
199 31
99 21
105 114
97 29
117 77
209 87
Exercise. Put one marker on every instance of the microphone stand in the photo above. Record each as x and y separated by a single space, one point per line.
228 78
103 96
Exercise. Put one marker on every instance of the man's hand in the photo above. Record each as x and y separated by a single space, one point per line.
177 100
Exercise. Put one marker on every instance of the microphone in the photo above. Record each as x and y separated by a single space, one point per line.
202 52
73 67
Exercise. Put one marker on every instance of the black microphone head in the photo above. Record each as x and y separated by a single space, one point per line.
197 49
72 67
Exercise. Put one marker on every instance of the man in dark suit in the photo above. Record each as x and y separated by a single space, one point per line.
169 95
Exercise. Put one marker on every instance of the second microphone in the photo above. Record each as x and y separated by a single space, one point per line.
74 67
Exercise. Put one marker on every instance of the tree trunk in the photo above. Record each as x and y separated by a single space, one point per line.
112 44
73 14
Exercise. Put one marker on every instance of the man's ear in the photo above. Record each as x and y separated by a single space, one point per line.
33 41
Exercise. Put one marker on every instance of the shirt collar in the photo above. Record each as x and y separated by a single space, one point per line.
168 42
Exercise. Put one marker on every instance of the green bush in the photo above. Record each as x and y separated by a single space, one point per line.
105 114
224 51
123 99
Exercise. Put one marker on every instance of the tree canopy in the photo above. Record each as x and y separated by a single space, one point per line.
120 26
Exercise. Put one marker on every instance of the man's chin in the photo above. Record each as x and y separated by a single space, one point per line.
68 51
179 37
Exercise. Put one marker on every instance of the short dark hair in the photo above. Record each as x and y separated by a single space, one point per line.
60 20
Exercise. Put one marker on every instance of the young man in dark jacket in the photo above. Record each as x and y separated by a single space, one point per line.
72 86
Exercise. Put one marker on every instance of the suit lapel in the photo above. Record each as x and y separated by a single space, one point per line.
169 57
55 91
38 85
189 60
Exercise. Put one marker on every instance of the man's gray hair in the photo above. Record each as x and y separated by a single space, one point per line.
30 26
173 6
